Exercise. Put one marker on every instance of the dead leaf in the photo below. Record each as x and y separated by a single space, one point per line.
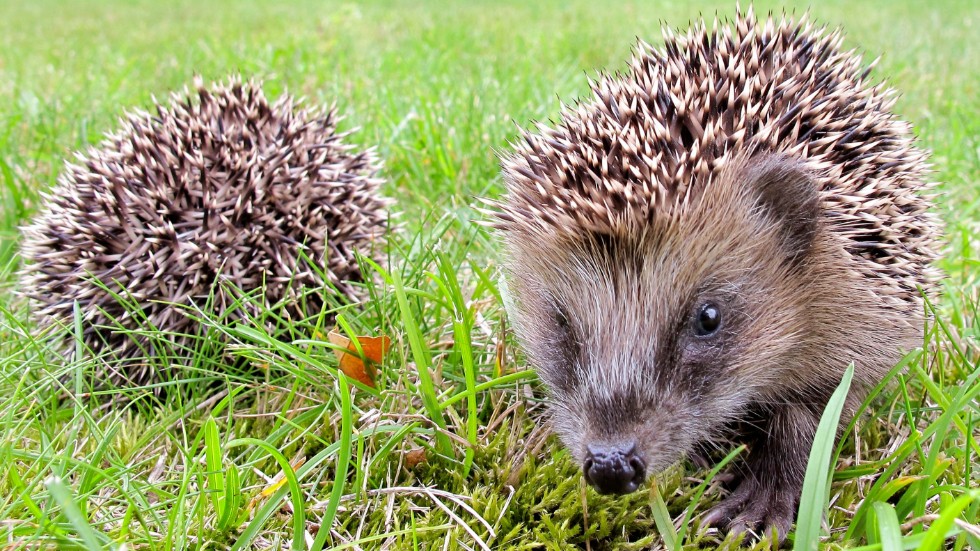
351 364
414 457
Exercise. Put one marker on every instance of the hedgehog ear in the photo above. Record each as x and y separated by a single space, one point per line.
787 195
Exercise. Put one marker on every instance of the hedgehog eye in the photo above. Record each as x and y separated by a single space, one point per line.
707 320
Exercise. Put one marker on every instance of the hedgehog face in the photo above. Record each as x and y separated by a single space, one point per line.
650 342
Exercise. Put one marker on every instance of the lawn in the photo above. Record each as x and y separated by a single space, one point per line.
461 457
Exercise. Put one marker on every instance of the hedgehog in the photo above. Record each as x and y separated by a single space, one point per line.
215 196
706 243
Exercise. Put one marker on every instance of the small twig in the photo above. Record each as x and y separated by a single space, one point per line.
434 495
503 510
483 545
965 526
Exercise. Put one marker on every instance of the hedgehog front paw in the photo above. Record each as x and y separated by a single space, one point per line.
759 509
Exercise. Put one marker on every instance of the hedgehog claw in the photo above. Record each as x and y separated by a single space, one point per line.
754 508
724 513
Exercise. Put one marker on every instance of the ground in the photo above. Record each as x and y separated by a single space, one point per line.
461 459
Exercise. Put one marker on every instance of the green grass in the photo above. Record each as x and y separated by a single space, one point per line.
245 458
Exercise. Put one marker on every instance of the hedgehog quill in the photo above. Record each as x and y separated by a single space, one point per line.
707 242
217 193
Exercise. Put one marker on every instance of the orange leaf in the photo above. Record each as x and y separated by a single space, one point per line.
351 364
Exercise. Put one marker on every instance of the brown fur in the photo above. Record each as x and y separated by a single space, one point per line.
621 221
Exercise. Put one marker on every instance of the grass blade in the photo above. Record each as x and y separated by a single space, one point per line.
63 497
343 460
816 483
889 533
661 516
422 362
462 326
213 464
233 499
295 494
939 530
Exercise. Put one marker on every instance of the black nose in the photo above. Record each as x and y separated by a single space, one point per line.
614 469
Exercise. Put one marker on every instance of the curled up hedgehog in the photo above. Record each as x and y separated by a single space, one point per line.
217 194
708 242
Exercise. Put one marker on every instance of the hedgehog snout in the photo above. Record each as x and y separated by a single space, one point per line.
614 469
